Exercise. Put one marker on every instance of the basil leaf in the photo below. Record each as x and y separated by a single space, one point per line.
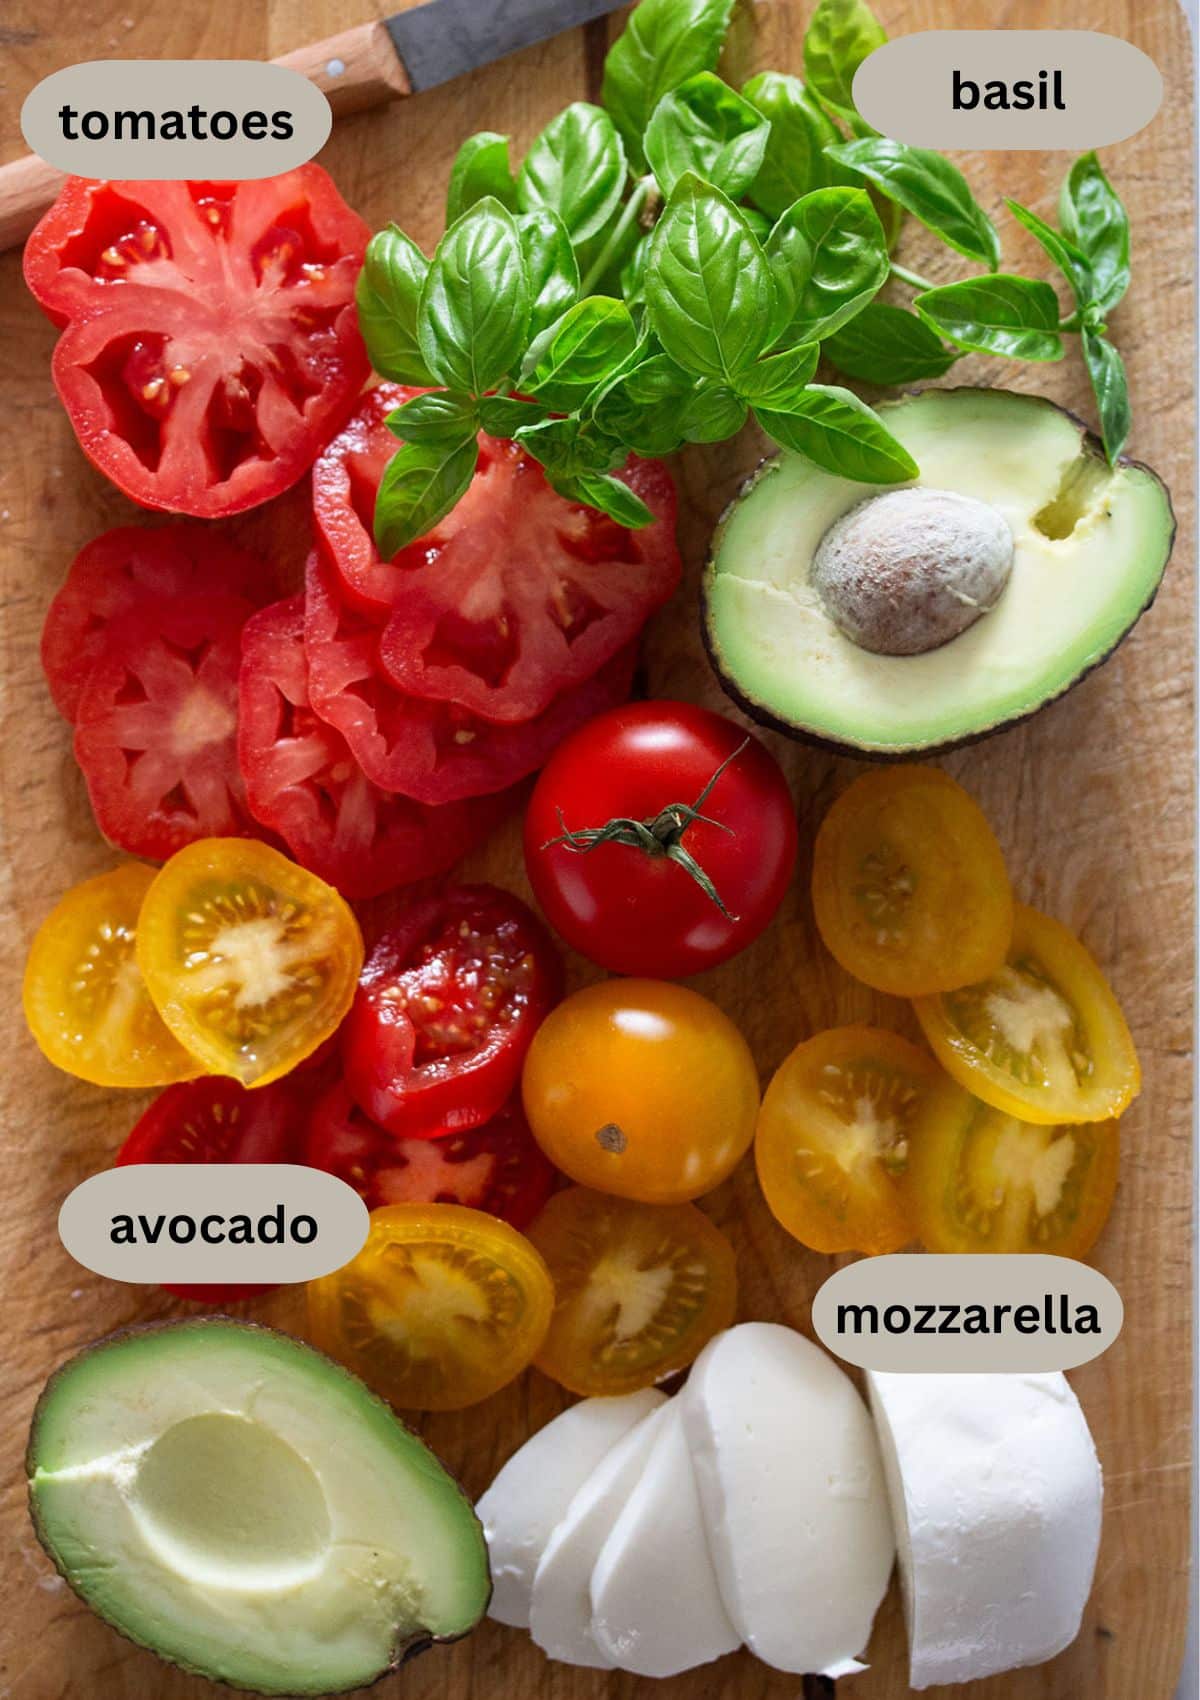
703 126
387 296
579 351
709 292
433 417
779 379
1106 369
664 43
567 447
1069 259
643 408
633 273
601 490
1016 317
550 267
480 168
795 160
576 167
474 311
711 413
420 485
829 258
887 345
840 35
504 415
930 188
840 433
1091 214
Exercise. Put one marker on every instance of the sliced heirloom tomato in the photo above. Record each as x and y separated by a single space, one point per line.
497 1167
303 781
85 1000
517 594
639 1289
131 568
1043 1038
835 1136
450 999
980 1180
442 1307
218 1121
156 726
909 885
210 344
250 960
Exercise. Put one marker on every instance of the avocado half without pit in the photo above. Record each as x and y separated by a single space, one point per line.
929 614
234 1501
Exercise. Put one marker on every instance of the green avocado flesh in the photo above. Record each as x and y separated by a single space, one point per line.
234 1501
1090 546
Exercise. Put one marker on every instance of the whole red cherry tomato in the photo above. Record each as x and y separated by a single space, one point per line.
660 839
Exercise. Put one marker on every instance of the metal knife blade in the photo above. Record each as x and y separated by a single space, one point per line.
446 38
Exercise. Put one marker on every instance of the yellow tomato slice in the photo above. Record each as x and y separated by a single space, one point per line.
910 890
1042 1038
85 1000
980 1180
251 961
442 1306
835 1135
639 1289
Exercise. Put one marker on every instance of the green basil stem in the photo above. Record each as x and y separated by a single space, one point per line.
913 278
633 207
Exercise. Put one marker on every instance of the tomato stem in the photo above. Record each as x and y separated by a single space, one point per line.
660 835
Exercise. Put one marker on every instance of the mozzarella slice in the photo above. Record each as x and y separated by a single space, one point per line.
996 1494
530 1495
656 1607
792 1489
560 1611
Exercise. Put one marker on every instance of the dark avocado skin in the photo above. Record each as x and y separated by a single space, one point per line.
760 713
418 1643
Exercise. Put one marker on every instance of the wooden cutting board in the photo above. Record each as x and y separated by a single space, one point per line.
1092 801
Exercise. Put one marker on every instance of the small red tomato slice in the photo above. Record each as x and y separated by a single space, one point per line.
211 344
135 567
434 752
156 732
217 1121
303 780
447 1006
498 1167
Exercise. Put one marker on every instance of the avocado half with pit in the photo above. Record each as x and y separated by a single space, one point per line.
246 1508
925 615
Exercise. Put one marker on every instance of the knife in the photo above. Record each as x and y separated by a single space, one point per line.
366 66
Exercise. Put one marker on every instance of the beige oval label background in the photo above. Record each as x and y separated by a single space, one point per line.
279 118
922 1311
1110 89
305 1222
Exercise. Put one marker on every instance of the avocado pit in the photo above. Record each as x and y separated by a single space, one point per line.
904 572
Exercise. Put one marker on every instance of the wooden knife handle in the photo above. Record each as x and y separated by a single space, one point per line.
356 69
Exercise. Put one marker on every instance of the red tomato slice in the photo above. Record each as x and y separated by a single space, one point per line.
217 1121
303 781
129 568
447 1006
211 345
517 594
498 1167
434 752
156 732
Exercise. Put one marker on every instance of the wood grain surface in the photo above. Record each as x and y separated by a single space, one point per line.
1092 801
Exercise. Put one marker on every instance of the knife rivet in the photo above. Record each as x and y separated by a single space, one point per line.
335 68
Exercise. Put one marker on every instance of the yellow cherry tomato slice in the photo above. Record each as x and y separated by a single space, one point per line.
641 1088
85 1000
980 1180
909 887
251 961
1042 1038
639 1289
441 1308
834 1138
